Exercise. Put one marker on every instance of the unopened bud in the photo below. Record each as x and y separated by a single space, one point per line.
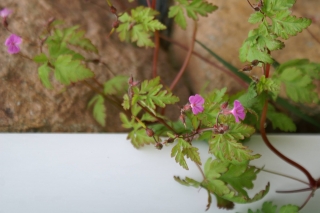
246 68
115 24
224 105
170 140
255 62
159 146
149 132
113 10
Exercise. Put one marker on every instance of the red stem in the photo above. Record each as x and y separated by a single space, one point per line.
312 181
231 74
187 59
155 54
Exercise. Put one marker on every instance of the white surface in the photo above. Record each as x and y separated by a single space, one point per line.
100 173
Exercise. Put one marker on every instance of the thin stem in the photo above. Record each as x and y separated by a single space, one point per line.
307 200
201 171
295 191
231 74
187 59
283 175
155 54
159 119
250 4
24 56
313 36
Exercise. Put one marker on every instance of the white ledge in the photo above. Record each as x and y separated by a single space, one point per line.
99 173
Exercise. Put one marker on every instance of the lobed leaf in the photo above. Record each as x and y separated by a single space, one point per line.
69 71
99 110
43 72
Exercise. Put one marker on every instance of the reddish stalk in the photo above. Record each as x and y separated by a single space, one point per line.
231 74
312 181
187 59
155 54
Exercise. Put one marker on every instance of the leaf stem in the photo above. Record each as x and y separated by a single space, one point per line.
187 59
283 175
307 200
159 119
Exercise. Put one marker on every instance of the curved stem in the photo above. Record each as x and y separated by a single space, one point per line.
201 171
283 175
312 181
250 4
187 59
231 74
307 200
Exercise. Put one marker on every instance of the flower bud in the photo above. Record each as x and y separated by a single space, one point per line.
255 62
158 146
115 24
113 10
224 105
149 132
170 140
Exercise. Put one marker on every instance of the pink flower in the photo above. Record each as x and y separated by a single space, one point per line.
5 12
13 42
237 111
196 102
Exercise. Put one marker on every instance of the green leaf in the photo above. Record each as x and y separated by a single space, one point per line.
184 149
214 168
269 85
285 25
268 207
289 209
240 177
41 58
78 39
139 26
99 110
150 95
44 71
116 86
187 182
239 131
226 148
281 121
193 9
68 70
256 17
298 76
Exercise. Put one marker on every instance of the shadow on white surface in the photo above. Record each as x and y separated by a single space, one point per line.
100 173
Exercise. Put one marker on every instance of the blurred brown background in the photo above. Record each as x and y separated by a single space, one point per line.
25 105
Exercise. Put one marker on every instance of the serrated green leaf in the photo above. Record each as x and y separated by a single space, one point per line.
176 12
139 26
281 121
193 9
214 168
289 209
41 58
217 187
99 110
43 72
187 181
239 131
240 177
224 147
78 39
68 70
139 138
151 95
268 84
125 121
183 149
285 25
256 17
116 86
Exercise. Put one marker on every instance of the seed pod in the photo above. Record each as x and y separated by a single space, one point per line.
113 10
159 146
